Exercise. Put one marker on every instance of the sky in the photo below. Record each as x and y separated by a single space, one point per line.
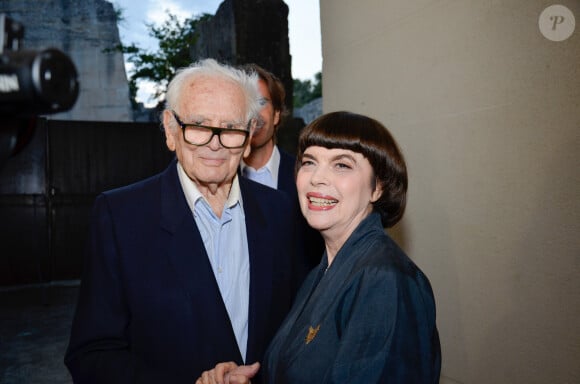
303 27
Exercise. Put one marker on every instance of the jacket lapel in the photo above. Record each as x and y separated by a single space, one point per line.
187 255
260 267
286 180
185 247
317 302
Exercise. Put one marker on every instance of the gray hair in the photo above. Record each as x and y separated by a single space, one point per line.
248 83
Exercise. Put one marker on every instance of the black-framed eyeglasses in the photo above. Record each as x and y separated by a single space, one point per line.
197 134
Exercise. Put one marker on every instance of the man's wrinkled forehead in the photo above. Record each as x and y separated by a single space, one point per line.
214 99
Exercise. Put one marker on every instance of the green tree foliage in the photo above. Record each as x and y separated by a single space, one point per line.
174 37
305 90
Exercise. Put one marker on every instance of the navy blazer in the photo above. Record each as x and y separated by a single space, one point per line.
149 307
286 178
369 318
311 240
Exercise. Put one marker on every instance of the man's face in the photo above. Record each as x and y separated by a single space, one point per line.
211 102
269 118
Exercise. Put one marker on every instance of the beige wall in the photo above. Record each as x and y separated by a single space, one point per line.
487 112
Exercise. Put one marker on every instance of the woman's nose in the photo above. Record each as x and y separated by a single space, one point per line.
319 176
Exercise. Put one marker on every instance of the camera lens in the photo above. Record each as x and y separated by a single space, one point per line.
55 79
37 82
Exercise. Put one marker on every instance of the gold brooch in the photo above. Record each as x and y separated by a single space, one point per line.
312 333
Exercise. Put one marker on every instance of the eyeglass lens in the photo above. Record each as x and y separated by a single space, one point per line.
201 135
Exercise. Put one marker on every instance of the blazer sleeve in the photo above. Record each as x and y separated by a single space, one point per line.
388 330
98 350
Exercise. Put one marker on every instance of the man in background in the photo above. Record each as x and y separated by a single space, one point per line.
271 166
266 163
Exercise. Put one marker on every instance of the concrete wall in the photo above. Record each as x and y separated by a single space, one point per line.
487 112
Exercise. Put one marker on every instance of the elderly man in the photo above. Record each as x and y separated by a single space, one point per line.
195 265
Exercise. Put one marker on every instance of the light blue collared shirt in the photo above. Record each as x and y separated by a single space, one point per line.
268 174
226 244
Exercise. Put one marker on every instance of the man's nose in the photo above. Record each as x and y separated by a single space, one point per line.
215 143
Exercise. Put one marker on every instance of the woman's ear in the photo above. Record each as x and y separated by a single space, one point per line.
377 192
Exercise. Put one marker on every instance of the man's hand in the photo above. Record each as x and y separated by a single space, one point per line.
229 373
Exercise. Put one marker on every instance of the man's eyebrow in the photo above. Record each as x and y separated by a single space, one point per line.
194 117
201 118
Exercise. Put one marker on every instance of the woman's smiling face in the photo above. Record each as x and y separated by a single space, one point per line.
335 189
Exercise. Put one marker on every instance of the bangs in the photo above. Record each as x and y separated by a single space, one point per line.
344 131
370 138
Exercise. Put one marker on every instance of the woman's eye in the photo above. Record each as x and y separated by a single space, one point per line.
343 166
306 162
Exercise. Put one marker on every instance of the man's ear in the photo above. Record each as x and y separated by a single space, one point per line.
253 126
276 118
248 149
169 136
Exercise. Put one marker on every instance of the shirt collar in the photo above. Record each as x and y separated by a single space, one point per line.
192 193
272 165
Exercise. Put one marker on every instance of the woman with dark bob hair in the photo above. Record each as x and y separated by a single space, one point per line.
366 314
364 135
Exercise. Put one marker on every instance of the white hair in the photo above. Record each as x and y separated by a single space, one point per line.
248 83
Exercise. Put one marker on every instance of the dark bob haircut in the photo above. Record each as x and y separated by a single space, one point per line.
367 136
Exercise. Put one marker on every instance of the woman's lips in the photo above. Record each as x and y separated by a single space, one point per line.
320 202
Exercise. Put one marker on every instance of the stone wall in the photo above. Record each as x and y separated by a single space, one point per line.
83 30
249 31
253 31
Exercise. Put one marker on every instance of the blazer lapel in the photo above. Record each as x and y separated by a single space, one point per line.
286 180
318 302
185 247
187 255
260 267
